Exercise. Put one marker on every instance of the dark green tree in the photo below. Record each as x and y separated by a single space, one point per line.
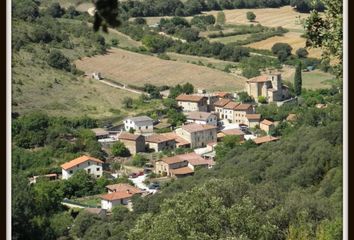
119 149
298 80
250 16
58 60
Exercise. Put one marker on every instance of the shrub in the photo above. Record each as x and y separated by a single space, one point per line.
58 60
251 16
278 47
139 160
262 99
302 53
119 149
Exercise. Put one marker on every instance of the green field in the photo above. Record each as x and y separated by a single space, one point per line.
313 80
230 39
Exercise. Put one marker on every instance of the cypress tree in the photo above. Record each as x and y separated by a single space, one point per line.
298 80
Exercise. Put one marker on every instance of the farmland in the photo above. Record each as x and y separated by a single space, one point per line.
136 69
311 80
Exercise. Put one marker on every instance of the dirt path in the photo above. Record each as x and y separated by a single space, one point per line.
124 87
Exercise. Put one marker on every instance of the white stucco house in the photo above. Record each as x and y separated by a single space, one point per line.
202 118
118 194
141 124
90 164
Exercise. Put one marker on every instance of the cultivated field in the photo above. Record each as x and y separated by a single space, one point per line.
137 69
270 17
294 39
310 80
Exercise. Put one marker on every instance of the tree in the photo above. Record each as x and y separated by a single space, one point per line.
55 10
220 18
58 60
188 88
326 31
250 16
140 20
298 80
61 223
119 149
71 12
127 102
139 160
82 223
25 10
262 99
277 47
244 97
302 53
106 14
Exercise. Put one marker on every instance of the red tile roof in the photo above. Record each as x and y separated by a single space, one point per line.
195 127
181 158
128 136
199 115
231 105
234 131
221 102
116 196
189 98
253 116
243 106
79 160
179 140
265 139
263 78
222 94
267 122
158 138
200 161
123 187
182 171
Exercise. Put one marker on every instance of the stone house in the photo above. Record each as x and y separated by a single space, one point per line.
160 142
190 103
266 125
265 139
269 86
135 143
219 107
90 164
100 133
233 132
142 124
240 112
202 118
252 120
199 135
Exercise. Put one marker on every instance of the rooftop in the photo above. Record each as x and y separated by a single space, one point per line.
221 102
189 98
79 160
182 171
116 196
194 127
234 131
200 161
99 131
265 139
243 106
231 105
123 187
182 158
255 116
263 78
267 122
128 136
139 119
158 138
222 94
179 140
198 115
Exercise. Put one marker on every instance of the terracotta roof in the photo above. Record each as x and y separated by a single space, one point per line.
263 78
265 139
267 122
221 102
253 116
231 105
123 187
116 196
182 171
139 119
222 94
128 136
243 106
181 158
200 161
199 115
179 140
195 127
189 98
234 131
79 160
158 138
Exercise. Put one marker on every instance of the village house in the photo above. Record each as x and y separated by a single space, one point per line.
252 120
90 164
160 142
49 177
219 107
180 142
181 165
211 98
199 135
190 103
266 125
269 86
235 112
231 132
202 118
142 124
100 133
265 139
135 143
118 194
223 95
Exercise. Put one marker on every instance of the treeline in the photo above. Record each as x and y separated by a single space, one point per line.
192 7
239 30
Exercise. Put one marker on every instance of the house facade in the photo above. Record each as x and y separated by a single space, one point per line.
134 143
90 164
118 194
269 86
190 103
202 118
199 135
160 142
252 120
234 112
266 125
219 107
141 125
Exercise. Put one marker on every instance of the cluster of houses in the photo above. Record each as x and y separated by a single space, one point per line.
209 118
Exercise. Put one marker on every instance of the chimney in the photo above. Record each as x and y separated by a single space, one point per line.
128 191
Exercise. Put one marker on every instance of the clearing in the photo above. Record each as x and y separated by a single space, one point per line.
137 69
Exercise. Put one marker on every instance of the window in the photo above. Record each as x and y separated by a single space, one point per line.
88 163
71 171
88 170
97 169
146 127
139 128
98 176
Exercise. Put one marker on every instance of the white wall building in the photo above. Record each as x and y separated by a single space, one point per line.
141 124
202 118
90 164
